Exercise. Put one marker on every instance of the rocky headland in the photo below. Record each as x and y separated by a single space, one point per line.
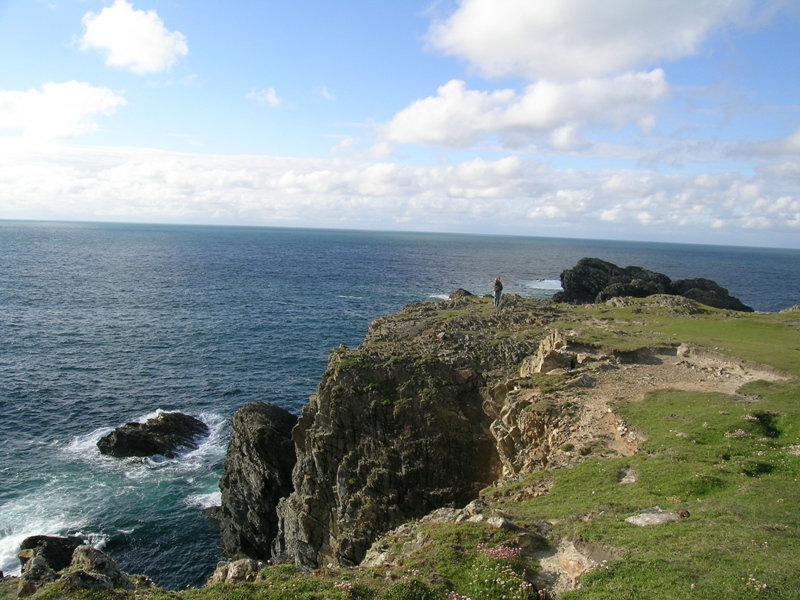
440 403
593 280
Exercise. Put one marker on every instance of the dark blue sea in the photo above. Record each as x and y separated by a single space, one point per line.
101 324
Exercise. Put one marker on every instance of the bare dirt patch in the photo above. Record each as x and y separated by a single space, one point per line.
647 371
606 382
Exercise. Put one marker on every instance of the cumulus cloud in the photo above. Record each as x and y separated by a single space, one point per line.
132 39
459 117
575 39
513 194
590 66
268 96
57 111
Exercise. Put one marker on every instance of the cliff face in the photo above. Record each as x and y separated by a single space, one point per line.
440 401
257 473
399 427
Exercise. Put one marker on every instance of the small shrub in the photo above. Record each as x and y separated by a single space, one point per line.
409 589
756 469
498 572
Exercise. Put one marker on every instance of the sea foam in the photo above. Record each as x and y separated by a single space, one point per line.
543 284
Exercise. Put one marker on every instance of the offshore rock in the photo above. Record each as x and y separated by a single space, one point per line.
257 474
709 293
167 434
593 280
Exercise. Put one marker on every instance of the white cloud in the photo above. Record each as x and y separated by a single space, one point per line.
59 111
458 117
345 144
509 195
133 39
790 145
267 96
575 39
591 66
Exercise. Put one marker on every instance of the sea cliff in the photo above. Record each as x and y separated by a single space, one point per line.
439 402
537 437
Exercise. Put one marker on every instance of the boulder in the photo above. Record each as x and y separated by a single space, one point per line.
35 574
82 580
167 434
97 563
257 474
593 280
552 355
652 516
55 550
245 569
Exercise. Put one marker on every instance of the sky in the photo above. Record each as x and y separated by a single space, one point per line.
665 120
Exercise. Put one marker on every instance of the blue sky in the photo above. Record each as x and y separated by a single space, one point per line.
665 120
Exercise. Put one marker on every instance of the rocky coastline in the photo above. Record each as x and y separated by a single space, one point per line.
440 401
422 416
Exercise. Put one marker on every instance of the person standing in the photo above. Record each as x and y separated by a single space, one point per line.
498 289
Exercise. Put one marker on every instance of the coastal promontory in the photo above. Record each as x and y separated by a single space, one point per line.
446 400
533 450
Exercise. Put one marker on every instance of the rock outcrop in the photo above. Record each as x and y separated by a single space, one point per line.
167 435
244 569
552 355
49 560
593 280
257 474
438 402
386 439
55 550
401 426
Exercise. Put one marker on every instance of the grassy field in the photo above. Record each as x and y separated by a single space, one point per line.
731 463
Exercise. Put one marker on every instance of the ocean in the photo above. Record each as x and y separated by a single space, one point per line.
102 324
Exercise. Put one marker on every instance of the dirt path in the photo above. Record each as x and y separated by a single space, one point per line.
687 370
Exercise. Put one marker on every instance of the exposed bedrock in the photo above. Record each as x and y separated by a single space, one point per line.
594 280
440 401
55 550
383 441
257 473
167 435
46 559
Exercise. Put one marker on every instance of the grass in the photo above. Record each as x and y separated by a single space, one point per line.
732 464
772 339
